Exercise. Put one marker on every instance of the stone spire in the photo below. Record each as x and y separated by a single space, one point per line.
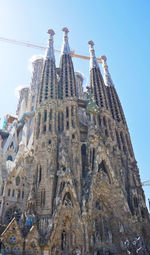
67 84
48 84
93 60
50 49
65 47
112 96
107 77
96 79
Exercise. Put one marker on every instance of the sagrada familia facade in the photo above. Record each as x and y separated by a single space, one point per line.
69 181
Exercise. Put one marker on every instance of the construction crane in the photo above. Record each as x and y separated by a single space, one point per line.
35 46
146 183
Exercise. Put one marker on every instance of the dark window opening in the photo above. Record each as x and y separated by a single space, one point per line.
67 112
99 206
40 174
93 159
45 116
67 124
84 160
10 158
38 125
63 240
9 192
67 199
13 193
118 140
22 194
18 193
104 121
102 168
44 129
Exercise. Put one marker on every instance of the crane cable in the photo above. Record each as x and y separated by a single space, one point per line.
35 46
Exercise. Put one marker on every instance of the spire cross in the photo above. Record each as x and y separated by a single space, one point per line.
65 30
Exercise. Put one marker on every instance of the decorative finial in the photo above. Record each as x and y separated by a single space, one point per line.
91 43
51 32
50 50
104 58
93 61
107 77
65 47
66 30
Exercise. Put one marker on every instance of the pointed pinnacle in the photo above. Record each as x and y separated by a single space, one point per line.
51 32
104 58
91 43
65 29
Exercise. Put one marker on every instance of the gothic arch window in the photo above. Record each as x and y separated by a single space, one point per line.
67 199
83 155
63 240
102 168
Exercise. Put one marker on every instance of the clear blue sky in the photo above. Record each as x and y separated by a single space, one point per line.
120 30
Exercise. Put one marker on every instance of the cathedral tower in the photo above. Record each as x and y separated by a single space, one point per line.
73 186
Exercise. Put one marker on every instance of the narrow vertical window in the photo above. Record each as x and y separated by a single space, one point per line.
59 124
67 112
104 121
45 115
123 142
40 174
9 192
93 158
99 120
38 125
62 121
50 120
84 160
118 140
13 193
